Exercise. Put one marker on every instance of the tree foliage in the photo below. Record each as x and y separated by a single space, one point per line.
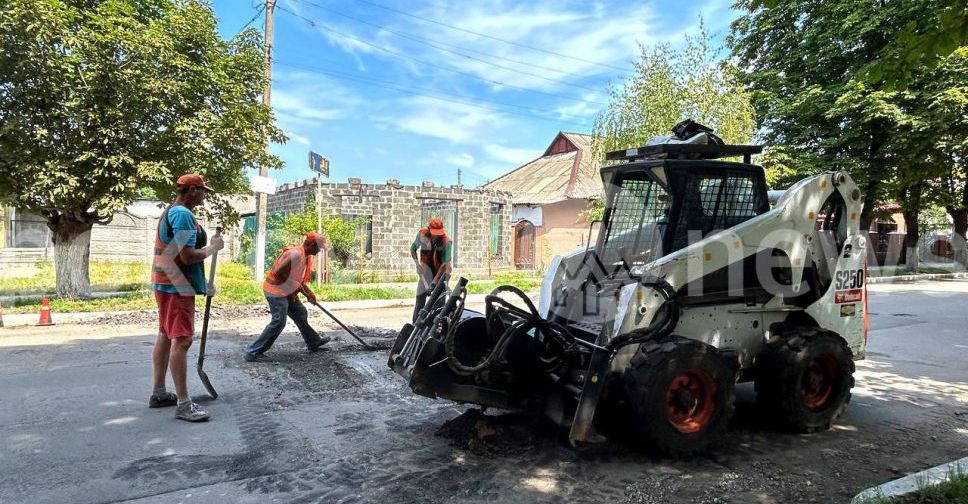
289 229
101 100
670 85
875 88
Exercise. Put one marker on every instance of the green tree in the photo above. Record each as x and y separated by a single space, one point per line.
101 100
670 85
808 65
289 229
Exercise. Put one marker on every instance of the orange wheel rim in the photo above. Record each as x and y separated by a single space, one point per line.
691 401
817 383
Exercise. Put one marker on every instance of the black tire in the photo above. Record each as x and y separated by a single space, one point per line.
803 378
680 394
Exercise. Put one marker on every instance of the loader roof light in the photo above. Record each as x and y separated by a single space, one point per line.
685 151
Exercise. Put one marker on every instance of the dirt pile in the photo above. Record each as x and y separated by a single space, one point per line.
498 435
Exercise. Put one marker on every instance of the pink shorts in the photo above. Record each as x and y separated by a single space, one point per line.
176 315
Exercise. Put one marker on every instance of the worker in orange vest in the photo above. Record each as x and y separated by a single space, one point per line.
432 252
289 277
178 275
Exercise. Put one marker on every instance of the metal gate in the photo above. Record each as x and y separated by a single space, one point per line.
447 211
524 245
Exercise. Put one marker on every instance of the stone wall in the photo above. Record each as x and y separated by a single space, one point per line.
396 212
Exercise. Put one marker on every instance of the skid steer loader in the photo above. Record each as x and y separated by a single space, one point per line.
693 284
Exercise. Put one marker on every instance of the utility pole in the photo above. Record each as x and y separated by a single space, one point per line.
261 199
319 227
458 176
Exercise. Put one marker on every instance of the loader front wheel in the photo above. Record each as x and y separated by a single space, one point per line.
680 393
803 378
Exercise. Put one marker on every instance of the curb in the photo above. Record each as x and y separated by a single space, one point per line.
915 278
25 319
912 482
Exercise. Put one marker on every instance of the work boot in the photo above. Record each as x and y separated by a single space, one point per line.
190 412
162 400
322 341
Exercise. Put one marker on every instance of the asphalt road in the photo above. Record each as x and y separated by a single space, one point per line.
338 426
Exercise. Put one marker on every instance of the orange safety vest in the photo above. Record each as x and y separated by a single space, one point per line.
167 267
431 248
300 268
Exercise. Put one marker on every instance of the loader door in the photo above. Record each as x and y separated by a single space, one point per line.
712 198
635 221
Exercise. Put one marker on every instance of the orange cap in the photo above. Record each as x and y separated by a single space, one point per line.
193 179
314 237
436 226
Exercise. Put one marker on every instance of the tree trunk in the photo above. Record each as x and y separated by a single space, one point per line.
958 239
72 251
911 204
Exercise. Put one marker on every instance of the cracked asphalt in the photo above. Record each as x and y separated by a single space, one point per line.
338 426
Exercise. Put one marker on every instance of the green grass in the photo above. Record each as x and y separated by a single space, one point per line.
953 491
105 276
234 282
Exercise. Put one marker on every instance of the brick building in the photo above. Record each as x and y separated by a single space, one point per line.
478 220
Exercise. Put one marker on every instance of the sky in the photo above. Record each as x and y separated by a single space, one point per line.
418 89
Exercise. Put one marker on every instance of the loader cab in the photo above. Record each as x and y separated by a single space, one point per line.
661 198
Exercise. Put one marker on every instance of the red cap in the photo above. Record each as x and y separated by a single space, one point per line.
436 226
193 179
314 237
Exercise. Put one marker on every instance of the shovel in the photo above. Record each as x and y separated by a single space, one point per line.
347 329
208 310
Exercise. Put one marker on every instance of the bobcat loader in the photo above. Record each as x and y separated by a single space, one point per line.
694 284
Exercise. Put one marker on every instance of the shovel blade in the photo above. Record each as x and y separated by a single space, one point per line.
206 382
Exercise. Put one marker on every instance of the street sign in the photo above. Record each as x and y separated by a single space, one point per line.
263 184
318 164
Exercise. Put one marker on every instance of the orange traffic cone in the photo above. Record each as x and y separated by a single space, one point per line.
45 313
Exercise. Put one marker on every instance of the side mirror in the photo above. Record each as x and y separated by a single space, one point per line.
591 226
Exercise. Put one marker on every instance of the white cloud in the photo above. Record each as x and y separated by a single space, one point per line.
511 155
297 106
582 31
456 122
296 137
464 160
303 100
447 159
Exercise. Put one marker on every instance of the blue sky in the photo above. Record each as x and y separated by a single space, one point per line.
385 94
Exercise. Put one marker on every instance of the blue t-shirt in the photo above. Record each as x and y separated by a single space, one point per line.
185 233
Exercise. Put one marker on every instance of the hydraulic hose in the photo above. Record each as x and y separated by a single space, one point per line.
527 320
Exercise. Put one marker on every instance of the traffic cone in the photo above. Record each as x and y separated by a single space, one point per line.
45 313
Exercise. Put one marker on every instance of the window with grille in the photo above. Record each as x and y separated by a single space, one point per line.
447 211
714 201
636 222
497 224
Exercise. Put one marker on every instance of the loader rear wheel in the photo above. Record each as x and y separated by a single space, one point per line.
680 393
803 378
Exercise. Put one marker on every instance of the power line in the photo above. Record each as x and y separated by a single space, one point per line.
518 44
435 95
315 24
336 73
442 46
246 25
